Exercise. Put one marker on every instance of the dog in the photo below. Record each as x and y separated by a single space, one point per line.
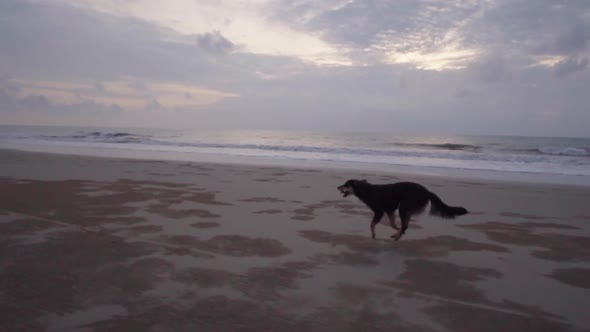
411 199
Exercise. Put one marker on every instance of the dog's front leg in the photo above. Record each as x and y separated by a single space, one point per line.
376 218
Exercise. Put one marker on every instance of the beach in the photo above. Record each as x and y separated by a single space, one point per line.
114 244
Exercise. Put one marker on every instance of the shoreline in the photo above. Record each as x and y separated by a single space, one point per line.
441 172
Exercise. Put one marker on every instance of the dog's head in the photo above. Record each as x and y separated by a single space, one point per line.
348 188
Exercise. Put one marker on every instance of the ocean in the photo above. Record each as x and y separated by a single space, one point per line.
543 159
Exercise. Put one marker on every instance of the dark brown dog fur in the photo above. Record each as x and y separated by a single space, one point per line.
409 197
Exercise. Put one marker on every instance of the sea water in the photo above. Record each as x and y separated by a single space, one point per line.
537 158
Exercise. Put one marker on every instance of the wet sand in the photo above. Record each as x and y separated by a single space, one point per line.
97 244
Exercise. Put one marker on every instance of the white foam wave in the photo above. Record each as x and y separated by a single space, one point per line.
567 151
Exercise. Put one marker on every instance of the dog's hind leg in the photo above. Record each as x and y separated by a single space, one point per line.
407 208
391 216
405 216
376 218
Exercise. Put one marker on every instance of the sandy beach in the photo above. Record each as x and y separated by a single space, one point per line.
98 244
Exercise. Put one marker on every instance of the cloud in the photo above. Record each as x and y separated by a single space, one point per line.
99 87
479 67
214 42
444 34
423 33
244 23
572 38
571 65
490 69
60 41
524 29
463 93
123 93
15 100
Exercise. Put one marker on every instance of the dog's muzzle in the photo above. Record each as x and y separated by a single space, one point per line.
345 191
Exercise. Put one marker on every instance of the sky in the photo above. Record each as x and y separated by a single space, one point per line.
483 67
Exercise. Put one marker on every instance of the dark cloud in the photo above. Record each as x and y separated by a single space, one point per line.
570 39
153 105
571 65
99 87
525 27
214 42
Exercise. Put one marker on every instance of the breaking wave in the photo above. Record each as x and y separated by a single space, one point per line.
97 136
567 151
444 146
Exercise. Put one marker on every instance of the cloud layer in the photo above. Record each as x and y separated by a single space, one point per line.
471 67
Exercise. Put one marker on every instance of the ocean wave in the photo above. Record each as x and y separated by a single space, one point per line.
97 136
427 149
554 151
567 151
101 134
443 146
283 148
546 155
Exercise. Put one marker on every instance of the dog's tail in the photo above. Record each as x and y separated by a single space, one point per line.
439 208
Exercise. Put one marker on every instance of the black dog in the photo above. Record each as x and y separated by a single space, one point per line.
411 199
